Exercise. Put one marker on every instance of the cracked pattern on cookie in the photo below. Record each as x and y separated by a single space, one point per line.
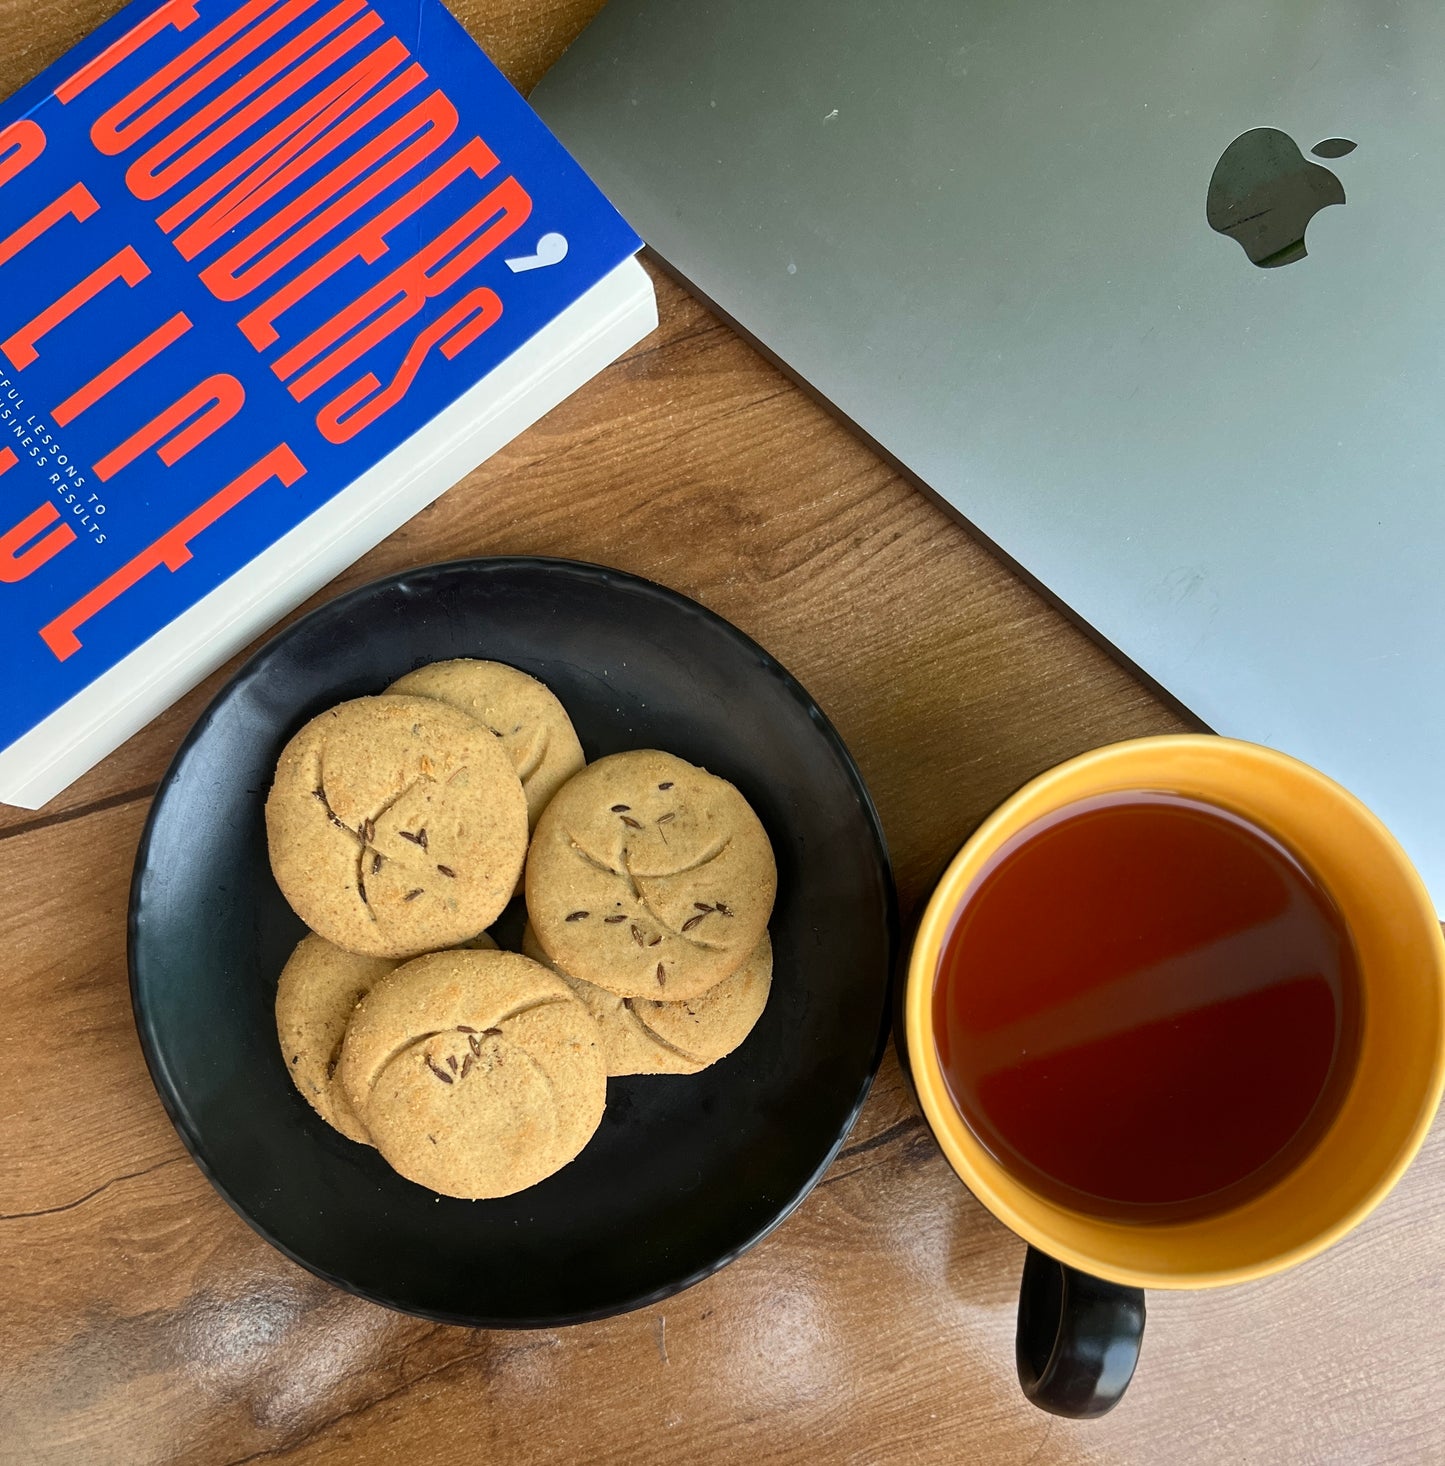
396 825
650 877
532 724
477 1074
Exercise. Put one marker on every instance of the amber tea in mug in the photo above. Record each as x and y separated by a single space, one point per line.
1147 1008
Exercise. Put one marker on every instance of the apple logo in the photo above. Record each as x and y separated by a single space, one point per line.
1265 192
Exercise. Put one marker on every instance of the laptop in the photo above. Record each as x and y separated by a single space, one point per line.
1151 293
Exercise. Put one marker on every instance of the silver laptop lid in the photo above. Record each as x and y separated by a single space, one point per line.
989 232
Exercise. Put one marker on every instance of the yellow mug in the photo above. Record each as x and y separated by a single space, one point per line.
1081 1309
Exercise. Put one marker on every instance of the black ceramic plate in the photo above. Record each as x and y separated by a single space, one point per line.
684 1173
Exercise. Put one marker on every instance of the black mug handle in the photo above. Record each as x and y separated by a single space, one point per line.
1078 1338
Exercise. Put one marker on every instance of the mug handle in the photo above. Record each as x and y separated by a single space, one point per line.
1078 1338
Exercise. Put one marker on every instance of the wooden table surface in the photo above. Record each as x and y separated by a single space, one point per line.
141 1321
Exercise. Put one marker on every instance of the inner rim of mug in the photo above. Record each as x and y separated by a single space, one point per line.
1399 1069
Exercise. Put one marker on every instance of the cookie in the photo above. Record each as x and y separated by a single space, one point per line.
649 877
710 1026
533 726
320 985
627 1047
477 1074
482 942
640 1036
396 825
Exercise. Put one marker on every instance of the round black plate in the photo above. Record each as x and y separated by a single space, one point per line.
684 1173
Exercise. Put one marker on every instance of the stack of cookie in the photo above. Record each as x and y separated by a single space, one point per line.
649 887
399 828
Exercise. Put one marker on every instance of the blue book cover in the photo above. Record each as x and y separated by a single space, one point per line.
246 251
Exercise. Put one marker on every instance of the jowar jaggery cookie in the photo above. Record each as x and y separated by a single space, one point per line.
319 987
526 715
396 825
476 1074
640 1036
649 877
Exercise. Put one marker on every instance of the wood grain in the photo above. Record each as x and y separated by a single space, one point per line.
142 1322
